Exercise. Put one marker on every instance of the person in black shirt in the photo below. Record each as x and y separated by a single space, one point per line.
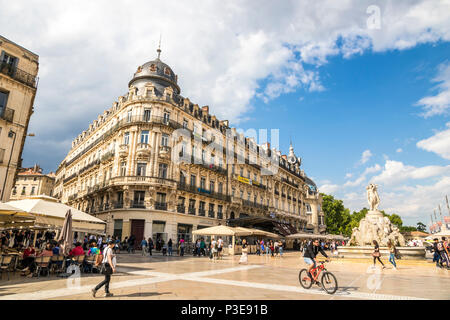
311 252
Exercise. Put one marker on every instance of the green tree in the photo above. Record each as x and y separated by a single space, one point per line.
396 220
337 217
421 227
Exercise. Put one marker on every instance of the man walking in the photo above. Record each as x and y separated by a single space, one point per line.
144 246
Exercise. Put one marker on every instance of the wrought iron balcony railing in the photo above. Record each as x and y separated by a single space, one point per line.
19 75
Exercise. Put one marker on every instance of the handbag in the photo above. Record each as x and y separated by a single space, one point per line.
376 254
106 267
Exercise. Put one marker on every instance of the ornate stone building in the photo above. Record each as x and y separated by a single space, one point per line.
156 164
18 85
32 182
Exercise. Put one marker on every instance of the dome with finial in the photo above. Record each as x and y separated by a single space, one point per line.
156 72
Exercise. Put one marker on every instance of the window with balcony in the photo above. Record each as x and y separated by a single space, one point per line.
166 118
147 115
163 170
138 201
211 186
219 212
119 203
141 169
203 183
211 210
33 190
3 100
180 205
201 208
191 209
185 124
23 191
220 187
129 115
193 180
161 203
144 136
308 209
182 178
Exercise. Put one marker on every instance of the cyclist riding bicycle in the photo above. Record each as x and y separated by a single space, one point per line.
311 252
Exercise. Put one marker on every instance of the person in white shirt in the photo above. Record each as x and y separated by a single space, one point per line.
109 264
220 247
214 249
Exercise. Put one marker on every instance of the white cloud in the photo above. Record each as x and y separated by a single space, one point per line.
395 172
363 176
439 143
366 155
348 175
440 103
399 150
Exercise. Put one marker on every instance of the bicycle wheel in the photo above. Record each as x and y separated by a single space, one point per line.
305 279
329 282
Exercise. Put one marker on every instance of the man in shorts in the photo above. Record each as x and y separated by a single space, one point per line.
311 252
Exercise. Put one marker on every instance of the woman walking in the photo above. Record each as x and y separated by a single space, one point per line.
392 254
244 258
109 264
376 254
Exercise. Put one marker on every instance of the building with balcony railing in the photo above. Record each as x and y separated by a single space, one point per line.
18 85
154 157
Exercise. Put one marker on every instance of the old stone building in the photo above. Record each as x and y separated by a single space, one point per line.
32 182
18 84
156 164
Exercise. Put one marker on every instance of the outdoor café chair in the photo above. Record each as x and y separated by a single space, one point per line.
57 263
43 263
5 264
89 262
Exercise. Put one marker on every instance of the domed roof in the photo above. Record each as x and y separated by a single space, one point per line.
157 71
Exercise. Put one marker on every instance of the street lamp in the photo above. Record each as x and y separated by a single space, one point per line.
11 134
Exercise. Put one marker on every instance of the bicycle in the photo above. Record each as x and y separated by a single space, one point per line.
328 280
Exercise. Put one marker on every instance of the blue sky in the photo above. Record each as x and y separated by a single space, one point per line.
363 91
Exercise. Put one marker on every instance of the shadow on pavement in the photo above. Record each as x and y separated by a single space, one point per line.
142 294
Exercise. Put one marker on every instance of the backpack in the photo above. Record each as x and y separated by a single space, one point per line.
440 246
216 246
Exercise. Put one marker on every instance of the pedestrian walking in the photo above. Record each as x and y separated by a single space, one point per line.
392 252
376 254
280 248
244 257
109 267
144 245
214 249
181 247
150 245
169 246
220 248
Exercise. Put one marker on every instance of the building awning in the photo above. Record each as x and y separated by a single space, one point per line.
264 223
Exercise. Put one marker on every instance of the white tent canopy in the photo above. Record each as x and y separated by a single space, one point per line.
222 231
48 211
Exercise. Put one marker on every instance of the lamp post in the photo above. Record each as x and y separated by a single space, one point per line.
11 134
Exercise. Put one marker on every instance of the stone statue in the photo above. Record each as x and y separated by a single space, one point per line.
372 196
374 226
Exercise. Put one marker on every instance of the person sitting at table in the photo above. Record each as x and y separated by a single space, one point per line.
47 252
56 249
93 250
77 251
28 262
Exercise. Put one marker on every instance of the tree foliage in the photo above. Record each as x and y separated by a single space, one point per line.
421 227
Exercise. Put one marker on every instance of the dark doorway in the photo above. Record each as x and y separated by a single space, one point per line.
137 229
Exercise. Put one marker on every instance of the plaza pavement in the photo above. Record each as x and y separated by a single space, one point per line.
264 277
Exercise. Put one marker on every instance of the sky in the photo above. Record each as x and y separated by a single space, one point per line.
361 88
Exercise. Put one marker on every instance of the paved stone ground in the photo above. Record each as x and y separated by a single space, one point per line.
263 277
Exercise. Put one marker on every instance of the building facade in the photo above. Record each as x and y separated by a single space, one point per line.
18 85
157 165
32 182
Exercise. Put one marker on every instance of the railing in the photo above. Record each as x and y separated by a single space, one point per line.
70 177
19 75
107 156
219 215
7 114
117 205
181 209
277 192
201 162
161 206
211 214
138 204
295 185
196 190
253 204
191 210
201 212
